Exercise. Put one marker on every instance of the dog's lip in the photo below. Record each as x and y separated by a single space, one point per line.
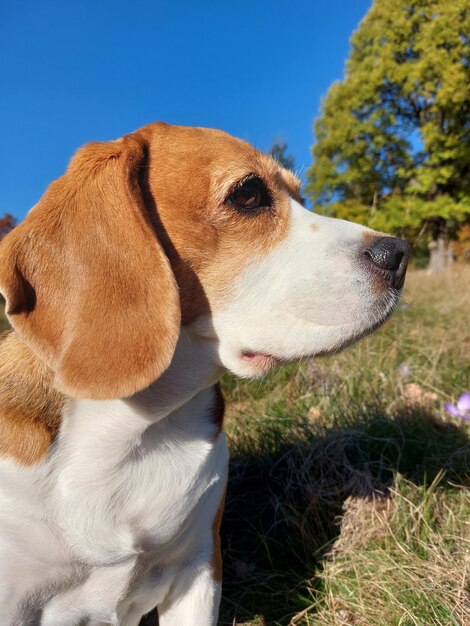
260 358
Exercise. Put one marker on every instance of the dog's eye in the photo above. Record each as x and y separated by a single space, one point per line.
251 195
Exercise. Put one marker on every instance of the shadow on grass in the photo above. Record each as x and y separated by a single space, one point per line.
283 507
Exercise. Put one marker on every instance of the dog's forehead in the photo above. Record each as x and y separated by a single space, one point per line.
214 158
212 145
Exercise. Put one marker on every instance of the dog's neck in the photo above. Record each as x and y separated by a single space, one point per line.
194 367
37 410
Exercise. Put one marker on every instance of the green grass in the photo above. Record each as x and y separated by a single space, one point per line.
348 499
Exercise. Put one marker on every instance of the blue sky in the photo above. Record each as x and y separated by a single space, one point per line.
72 72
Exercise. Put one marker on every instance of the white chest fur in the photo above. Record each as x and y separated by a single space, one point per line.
122 504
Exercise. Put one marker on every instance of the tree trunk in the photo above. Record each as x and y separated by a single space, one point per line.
440 257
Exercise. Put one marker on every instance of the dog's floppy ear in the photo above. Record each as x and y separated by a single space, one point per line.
86 281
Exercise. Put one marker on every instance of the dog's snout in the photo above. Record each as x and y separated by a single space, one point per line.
390 255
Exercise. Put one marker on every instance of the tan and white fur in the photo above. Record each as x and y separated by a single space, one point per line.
140 277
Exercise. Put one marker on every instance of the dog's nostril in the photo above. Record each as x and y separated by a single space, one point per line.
387 253
391 255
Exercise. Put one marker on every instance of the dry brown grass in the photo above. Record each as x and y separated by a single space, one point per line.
400 560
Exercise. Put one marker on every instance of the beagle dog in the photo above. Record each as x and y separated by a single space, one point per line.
154 264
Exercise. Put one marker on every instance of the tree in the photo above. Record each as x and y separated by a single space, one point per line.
7 223
393 138
279 152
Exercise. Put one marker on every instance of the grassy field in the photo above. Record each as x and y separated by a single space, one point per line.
348 500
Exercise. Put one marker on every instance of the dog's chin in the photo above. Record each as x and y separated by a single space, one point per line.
246 363
257 364
252 363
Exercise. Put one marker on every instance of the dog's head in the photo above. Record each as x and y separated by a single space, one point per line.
174 225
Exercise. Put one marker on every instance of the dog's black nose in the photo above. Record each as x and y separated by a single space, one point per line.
391 256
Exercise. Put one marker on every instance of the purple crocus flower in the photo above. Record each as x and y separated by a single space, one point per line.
462 409
404 370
